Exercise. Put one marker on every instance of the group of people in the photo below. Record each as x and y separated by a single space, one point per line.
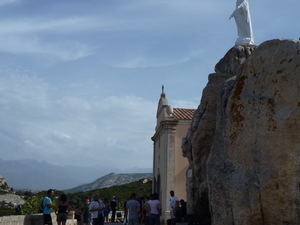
137 211
62 206
178 210
95 211
148 212
100 210
142 211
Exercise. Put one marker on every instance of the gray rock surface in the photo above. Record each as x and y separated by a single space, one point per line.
253 168
11 200
198 142
3 185
7 197
233 58
196 146
243 144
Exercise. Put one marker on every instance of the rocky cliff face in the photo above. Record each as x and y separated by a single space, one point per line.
197 145
7 197
3 185
244 151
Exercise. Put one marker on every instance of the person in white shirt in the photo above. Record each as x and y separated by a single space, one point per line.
172 201
96 208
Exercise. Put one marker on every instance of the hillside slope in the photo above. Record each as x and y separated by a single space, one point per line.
109 180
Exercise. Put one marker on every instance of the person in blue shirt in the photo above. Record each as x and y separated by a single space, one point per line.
47 203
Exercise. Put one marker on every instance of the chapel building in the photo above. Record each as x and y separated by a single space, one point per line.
169 166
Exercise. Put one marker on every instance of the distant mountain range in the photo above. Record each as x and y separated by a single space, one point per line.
110 180
33 175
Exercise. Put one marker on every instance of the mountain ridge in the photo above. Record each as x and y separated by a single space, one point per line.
30 174
109 180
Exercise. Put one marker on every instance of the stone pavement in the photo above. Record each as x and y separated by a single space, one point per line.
121 223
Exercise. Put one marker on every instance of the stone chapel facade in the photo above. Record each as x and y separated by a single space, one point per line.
169 166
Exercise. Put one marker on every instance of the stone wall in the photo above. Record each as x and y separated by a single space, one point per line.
244 145
36 219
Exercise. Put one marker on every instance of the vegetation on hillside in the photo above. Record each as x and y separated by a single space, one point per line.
32 204
111 178
122 192
7 211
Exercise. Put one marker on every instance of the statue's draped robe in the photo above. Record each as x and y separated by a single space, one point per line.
243 22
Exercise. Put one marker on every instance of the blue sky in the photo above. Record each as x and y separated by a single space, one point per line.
80 80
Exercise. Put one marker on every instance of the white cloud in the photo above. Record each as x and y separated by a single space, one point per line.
39 24
20 87
185 103
8 2
72 129
114 30
86 109
62 50
37 37
144 61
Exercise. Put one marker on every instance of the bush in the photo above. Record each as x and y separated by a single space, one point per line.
122 192
7 211
31 206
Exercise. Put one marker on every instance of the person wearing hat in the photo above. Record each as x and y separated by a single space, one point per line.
113 205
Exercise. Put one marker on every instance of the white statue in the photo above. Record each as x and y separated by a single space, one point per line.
243 22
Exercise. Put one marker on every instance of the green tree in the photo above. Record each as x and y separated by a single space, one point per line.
31 206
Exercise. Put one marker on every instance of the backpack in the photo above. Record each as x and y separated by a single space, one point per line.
41 207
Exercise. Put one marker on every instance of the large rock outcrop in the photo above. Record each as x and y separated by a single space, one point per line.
7 198
3 185
197 144
253 169
250 163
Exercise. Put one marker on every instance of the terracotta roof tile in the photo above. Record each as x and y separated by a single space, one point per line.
183 114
